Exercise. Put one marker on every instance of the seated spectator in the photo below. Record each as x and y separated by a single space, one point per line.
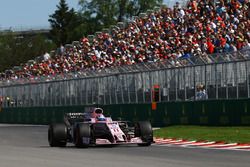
201 92
200 28
46 56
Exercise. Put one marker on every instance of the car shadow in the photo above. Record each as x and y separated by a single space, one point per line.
92 146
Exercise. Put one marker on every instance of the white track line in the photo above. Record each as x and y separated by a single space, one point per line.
201 143
186 143
170 142
163 140
221 145
239 147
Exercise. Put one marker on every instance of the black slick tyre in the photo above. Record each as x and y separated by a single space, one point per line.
57 135
143 129
82 135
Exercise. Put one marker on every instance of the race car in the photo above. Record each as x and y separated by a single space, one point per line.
91 128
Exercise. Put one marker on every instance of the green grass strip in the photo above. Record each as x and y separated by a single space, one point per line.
227 134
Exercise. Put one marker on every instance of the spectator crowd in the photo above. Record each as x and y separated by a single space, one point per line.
201 28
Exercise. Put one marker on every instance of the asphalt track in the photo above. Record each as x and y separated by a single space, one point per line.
27 146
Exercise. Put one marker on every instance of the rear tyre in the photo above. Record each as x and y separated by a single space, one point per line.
82 135
57 135
143 129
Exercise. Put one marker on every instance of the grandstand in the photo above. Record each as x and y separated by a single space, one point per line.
206 42
156 36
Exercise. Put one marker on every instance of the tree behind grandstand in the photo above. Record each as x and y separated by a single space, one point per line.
68 25
63 22
15 50
99 14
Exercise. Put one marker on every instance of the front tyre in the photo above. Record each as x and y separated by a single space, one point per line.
57 135
82 135
143 129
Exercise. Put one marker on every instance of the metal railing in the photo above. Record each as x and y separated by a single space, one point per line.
228 78
140 67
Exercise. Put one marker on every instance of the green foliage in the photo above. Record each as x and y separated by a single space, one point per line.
227 134
15 50
139 6
68 25
98 14
63 22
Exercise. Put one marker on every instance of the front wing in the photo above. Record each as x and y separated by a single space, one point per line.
135 140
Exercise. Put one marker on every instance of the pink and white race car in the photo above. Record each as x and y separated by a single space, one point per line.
93 128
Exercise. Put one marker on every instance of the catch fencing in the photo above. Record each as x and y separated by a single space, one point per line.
224 76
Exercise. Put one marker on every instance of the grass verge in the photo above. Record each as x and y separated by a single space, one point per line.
227 134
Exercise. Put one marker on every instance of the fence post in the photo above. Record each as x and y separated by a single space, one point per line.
216 81
237 87
194 83
247 78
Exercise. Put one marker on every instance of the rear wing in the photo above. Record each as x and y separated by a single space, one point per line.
71 118
74 115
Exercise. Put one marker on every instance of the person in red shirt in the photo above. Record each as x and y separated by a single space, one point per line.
210 46
223 41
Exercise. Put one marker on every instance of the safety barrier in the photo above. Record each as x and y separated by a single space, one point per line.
209 112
